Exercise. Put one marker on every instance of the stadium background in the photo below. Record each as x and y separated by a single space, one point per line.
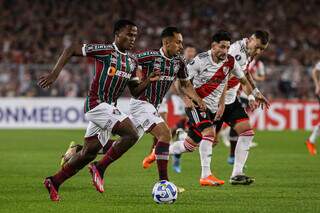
33 34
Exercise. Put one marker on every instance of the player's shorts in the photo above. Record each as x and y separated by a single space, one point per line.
102 119
233 114
143 114
163 107
198 121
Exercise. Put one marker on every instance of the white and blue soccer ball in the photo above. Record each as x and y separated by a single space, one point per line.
164 192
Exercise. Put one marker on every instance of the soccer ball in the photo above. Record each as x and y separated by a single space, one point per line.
164 192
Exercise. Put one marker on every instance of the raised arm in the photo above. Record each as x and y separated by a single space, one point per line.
48 79
316 80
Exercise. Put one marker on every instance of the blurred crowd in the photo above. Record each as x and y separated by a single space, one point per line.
34 32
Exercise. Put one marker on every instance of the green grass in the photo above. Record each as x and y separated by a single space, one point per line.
287 177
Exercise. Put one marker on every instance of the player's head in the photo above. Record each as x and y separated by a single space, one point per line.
189 52
125 33
220 44
257 43
172 41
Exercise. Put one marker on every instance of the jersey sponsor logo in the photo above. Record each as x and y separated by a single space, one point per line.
90 48
112 71
192 62
108 124
238 57
166 78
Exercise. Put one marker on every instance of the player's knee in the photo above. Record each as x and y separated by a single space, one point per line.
132 137
165 136
190 145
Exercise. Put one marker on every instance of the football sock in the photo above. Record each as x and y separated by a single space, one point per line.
108 145
162 157
63 174
242 151
205 150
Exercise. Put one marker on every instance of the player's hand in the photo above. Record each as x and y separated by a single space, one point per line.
262 101
47 80
219 112
253 105
188 102
201 104
155 76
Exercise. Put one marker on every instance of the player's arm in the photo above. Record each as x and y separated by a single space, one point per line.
253 93
188 90
137 86
185 86
316 80
47 79
221 105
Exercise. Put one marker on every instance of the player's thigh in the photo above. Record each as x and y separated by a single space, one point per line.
125 128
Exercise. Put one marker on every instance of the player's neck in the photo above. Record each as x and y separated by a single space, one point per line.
166 53
215 59
119 48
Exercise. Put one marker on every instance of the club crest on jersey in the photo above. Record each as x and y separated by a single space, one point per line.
203 114
112 71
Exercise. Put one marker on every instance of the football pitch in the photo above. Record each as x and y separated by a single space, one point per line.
287 177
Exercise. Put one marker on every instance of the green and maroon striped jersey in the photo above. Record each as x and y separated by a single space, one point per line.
112 71
151 61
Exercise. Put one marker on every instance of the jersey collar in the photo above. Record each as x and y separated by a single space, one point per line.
163 55
115 47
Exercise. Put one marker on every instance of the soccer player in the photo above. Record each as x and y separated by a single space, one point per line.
210 71
234 115
188 54
311 141
114 69
143 108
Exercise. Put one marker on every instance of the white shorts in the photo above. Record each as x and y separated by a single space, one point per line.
163 107
143 114
102 119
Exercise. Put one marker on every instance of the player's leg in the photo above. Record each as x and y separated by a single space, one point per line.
233 143
246 134
162 132
128 137
224 135
148 160
76 163
311 141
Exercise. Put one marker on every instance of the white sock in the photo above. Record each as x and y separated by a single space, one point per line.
314 135
180 147
205 150
241 152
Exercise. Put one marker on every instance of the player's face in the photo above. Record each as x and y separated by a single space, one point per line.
255 47
174 45
220 50
189 53
127 36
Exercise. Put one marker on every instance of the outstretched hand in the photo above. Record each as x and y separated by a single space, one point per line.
45 81
263 101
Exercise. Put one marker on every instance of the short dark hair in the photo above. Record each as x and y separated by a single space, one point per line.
122 23
169 32
262 35
221 35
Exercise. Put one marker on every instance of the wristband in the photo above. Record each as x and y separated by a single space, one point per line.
255 92
251 98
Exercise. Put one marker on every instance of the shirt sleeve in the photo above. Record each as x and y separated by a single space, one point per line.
136 72
183 72
237 71
194 67
95 50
